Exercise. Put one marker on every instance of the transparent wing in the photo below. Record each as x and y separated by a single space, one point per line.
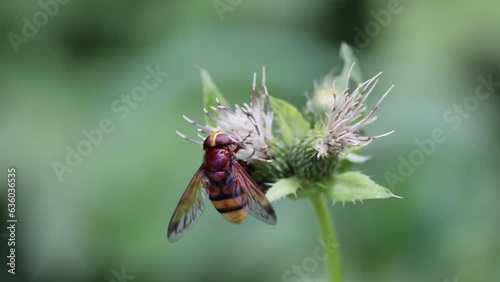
190 207
258 205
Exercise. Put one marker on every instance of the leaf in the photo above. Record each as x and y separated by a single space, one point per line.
353 186
289 120
347 55
356 158
351 157
282 188
210 94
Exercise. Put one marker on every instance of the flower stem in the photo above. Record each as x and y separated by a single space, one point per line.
325 222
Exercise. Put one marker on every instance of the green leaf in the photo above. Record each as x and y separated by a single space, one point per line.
351 157
282 188
347 55
210 94
289 120
353 186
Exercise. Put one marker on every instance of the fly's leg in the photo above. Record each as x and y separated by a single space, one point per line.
240 145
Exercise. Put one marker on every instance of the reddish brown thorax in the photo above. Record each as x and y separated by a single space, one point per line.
217 160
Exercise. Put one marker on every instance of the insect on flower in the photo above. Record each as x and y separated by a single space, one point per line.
223 180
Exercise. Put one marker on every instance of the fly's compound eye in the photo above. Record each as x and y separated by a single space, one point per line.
224 140
218 139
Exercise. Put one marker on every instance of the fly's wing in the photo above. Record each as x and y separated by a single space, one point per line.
258 205
190 207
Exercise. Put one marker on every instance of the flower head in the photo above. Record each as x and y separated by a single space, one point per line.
346 119
250 125
305 152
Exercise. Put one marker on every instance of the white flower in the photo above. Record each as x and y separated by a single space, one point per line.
345 120
250 125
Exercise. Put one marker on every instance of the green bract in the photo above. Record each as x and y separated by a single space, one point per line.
290 122
211 94
353 186
283 188
350 61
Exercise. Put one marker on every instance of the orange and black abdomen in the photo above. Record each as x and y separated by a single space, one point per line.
231 201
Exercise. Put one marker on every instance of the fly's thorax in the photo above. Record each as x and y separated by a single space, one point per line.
217 159
217 166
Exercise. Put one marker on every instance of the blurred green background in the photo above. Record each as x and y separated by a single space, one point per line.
108 216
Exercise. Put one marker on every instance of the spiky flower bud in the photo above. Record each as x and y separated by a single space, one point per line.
305 168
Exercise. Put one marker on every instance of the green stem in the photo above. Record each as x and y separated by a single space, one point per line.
325 222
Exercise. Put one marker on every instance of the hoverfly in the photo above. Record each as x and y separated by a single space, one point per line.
223 180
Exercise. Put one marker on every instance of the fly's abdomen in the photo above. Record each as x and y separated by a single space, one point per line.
230 201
